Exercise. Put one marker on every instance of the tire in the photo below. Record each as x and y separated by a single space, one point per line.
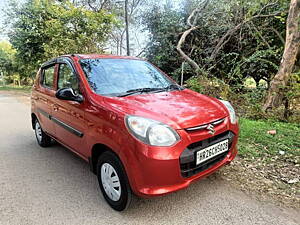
118 198
42 138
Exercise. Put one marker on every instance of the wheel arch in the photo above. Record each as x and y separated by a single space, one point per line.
97 150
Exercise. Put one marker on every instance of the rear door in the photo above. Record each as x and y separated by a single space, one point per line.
68 116
45 93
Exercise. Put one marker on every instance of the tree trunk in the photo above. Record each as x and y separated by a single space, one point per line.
127 27
275 93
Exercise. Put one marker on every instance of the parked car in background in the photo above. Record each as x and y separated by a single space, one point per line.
140 132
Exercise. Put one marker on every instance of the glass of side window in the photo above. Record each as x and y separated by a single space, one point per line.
67 79
48 77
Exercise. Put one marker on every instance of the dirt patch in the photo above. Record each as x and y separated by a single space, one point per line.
276 180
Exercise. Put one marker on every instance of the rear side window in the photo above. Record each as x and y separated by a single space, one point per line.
48 77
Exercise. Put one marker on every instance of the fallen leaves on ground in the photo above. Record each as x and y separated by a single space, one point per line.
275 177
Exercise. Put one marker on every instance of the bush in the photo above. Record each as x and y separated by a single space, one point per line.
248 101
213 87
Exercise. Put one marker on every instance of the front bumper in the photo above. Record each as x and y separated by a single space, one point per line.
155 171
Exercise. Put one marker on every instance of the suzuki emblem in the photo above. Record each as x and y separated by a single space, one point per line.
211 129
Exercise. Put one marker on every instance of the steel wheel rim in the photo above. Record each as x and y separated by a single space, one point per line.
38 131
110 182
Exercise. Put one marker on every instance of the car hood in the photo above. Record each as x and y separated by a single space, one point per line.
179 109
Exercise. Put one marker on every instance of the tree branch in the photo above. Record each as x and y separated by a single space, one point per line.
143 50
91 6
231 31
259 34
181 52
194 15
278 34
103 4
99 8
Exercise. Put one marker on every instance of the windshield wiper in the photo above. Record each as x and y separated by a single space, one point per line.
173 87
145 90
139 90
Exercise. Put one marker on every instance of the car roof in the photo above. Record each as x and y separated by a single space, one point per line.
95 56
89 56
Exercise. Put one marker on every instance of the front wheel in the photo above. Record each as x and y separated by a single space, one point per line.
113 181
42 138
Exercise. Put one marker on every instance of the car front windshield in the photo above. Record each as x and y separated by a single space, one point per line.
114 77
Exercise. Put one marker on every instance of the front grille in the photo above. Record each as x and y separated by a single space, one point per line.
204 126
188 156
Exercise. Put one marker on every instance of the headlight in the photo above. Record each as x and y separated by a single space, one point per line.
151 132
232 115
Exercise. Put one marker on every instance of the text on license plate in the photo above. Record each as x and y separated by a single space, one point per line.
211 151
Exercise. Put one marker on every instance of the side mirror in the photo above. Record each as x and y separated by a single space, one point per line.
68 94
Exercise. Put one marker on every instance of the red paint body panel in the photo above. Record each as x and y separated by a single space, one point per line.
180 109
151 170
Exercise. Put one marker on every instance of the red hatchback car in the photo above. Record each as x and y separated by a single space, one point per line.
140 132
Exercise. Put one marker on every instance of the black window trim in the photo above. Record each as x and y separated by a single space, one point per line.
69 62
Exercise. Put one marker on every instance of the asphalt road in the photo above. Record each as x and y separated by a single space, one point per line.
53 186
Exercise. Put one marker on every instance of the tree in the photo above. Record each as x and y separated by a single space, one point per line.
127 31
165 25
126 11
42 29
8 66
73 29
7 57
292 43
229 40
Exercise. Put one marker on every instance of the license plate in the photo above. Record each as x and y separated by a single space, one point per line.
211 151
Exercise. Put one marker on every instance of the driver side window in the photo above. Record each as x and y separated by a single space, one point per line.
67 79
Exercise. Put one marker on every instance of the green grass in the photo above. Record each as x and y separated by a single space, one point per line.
15 88
254 140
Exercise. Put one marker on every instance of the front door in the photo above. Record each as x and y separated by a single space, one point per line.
68 116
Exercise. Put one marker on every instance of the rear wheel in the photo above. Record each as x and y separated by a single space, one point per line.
113 181
42 138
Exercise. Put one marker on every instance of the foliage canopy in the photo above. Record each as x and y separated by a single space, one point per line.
253 50
42 29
